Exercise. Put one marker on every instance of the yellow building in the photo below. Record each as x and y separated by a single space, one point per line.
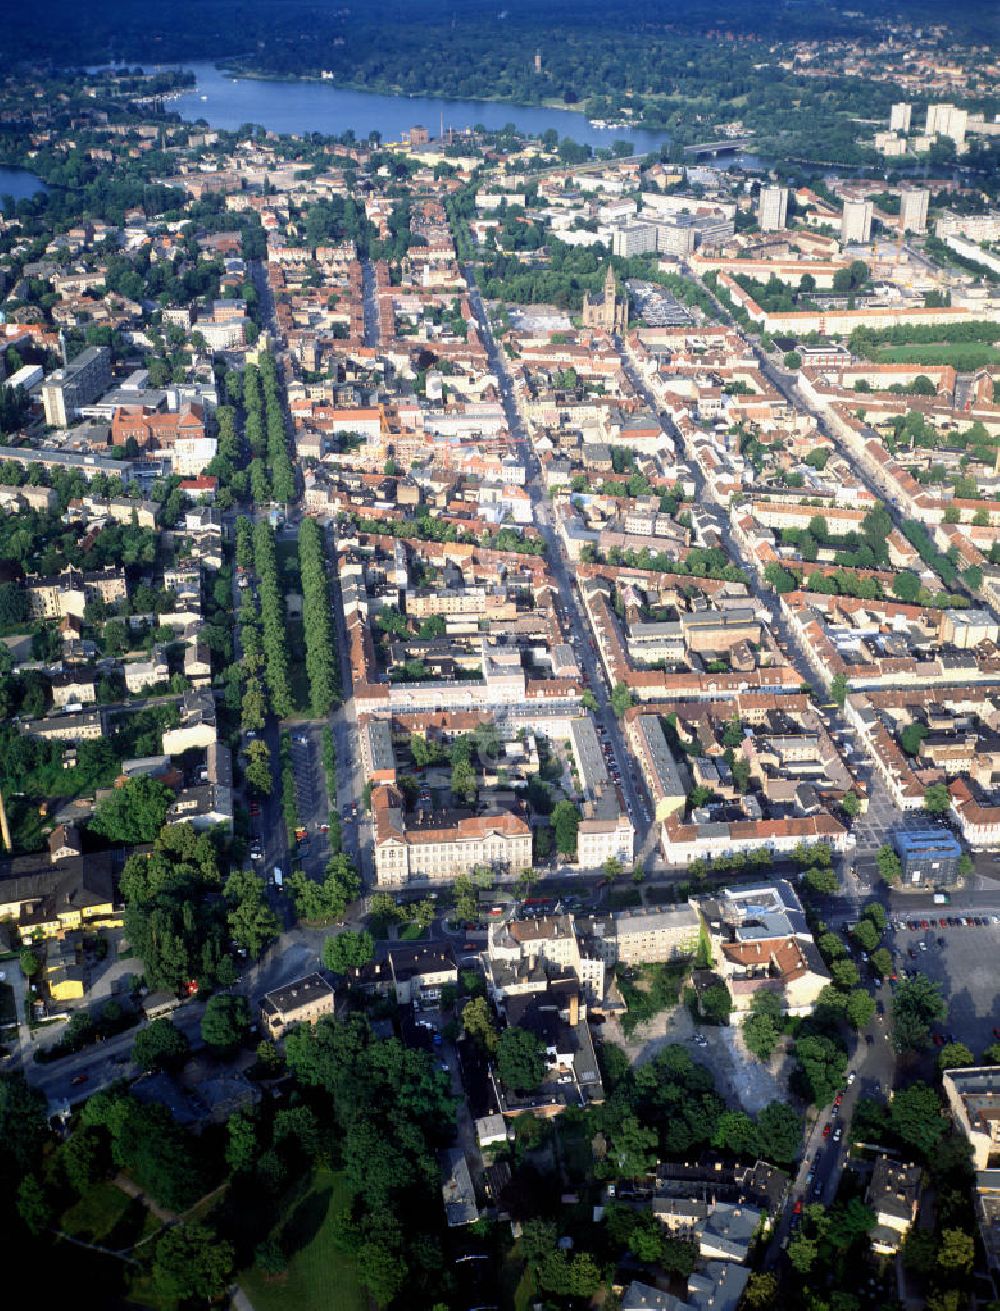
64 978
48 901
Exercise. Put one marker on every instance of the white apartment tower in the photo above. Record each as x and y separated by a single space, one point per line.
856 222
913 202
899 117
947 121
772 211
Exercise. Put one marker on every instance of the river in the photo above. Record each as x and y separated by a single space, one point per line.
300 107
19 183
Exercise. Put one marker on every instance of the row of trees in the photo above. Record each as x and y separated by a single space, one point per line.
272 616
278 460
322 665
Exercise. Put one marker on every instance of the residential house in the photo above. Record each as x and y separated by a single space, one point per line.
304 1001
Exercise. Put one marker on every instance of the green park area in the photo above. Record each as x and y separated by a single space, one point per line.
962 355
106 1215
321 1275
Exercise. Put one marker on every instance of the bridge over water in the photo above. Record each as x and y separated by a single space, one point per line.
727 146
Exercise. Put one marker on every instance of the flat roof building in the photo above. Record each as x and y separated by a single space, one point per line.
929 857
68 390
973 1094
772 213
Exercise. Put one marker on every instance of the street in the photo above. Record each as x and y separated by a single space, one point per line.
571 608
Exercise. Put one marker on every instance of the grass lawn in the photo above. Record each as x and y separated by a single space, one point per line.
297 667
410 933
963 355
98 1213
320 1276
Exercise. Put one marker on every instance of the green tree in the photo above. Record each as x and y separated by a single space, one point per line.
258 768
916 1117
715 1004
477 1020
191 1263
890 867
916 1005
845 974
906 586
793 360
850 805
632 1146
85 1158
779 1133
875 913
937 799
226 1021
839 689
133 813
954 1055
621 699
859 1008
33 1205
802 1253
780 579
919 1251
821 880
243 1144
735 1132
760 1035
956 1252
831 946
160 1045
566 822
761 1292
269 1257
519 1058
881 961
866 935
349 950
463 781
821 1068
252 922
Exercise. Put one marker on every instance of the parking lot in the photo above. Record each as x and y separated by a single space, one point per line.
965 966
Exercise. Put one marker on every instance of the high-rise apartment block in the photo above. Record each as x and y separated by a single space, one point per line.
856 222
68 390
913 203
947 121
899 117
772 212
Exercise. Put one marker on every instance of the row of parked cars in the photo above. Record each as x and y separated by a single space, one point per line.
948 922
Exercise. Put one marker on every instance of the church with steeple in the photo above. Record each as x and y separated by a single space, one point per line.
605 309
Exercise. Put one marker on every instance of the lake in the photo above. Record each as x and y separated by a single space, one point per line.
299 107
19 183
